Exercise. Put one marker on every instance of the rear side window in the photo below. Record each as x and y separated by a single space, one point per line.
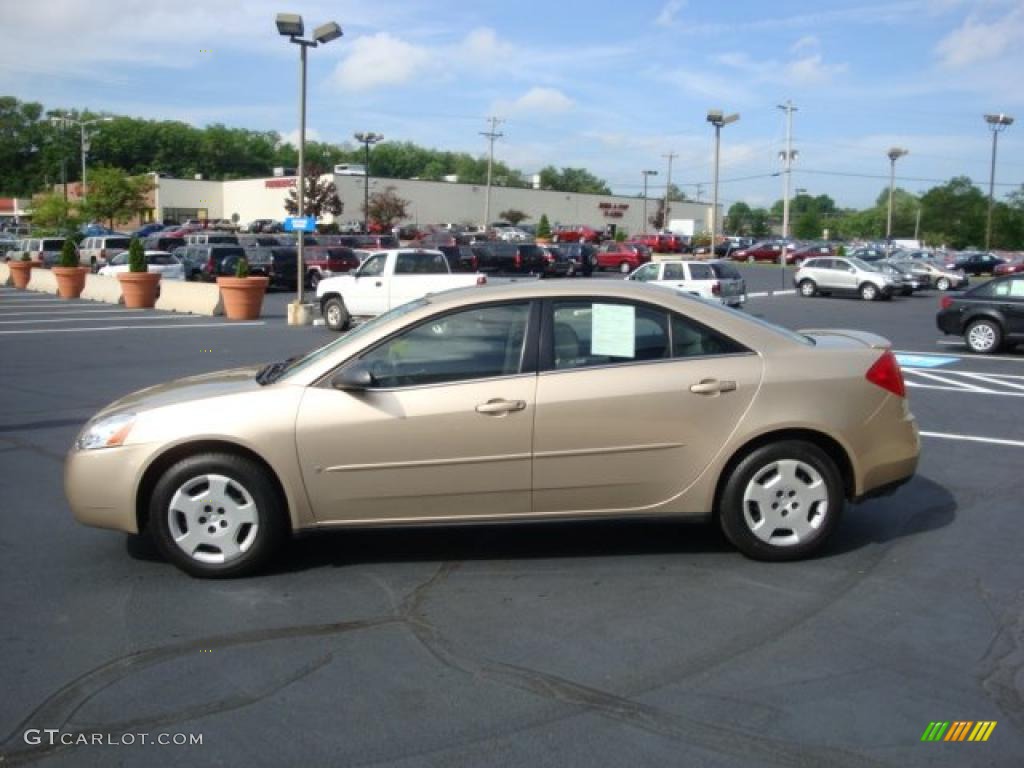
420 264
161 259
674 272
118 242
52 245
701 272
725 271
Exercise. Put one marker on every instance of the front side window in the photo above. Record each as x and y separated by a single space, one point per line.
374 265
648 272
477 343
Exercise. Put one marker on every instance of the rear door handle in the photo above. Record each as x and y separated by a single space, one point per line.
712 387
499 407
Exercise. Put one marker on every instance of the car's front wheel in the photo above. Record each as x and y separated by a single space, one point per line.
217 515
943 284
624 267
808 288
336 314
869 291
781 501
983 336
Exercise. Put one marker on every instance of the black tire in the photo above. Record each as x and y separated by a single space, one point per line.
808 288
943 284
733 518
246 479
983 337
336 315
869 292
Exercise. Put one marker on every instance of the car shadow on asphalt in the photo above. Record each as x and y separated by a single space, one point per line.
918 507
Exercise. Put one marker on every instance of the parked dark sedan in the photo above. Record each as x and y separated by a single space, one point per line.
989 316
977 263
582 255
522 258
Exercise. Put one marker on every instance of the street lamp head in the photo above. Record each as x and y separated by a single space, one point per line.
649 173
998 122
290 25
717 118
325 32
897 152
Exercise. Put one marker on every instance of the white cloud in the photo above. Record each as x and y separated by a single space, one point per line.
975 40
536 100
809 69
671 9
380 60
292 137
806 43
812 70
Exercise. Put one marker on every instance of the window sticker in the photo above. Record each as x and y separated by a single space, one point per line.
1017 289
613 330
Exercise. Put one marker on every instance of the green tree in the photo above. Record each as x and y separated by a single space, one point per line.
387 208
807 225
738 219
957 209
321 197
572 180
759 226
52 212
544 226
513 216
113 195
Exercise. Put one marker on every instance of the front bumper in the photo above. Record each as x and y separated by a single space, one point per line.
100 485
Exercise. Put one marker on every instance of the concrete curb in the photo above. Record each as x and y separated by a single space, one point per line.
43 280
193 298
100 288
5 275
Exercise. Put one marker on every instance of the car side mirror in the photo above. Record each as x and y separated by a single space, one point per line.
353 378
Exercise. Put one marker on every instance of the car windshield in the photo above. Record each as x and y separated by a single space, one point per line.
863 265
316 355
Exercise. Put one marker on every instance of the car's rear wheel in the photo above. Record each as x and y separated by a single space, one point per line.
869 291
751 259
624 267
808 288
943 284
336 314
781 501
983 336
217 515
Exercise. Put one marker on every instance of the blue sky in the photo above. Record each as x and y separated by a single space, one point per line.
607 86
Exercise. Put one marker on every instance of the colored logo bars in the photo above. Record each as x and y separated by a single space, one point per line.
959 730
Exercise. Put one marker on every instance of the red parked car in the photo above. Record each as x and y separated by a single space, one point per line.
769 250
661 243
1011 267
575 233
327 261
625 257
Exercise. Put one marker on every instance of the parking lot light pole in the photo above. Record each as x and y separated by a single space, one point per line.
367 139
717 119
894 154
82 125
997 123
290 25
646 175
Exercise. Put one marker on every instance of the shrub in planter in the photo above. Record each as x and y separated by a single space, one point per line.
69 273
21 271
139 286
242 294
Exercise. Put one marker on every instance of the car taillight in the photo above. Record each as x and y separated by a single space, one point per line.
481 280
476 263
550 257
209 267
518 261
886 373
945 302
716 288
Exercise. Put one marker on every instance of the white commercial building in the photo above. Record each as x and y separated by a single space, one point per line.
430 202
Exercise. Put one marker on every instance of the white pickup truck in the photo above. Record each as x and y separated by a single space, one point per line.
385 280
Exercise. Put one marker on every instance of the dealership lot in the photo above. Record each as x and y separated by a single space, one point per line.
618 643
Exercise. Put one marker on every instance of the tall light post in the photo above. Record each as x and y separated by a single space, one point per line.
997 124
367 139
290 25
894 154
82 124
668 191
646 175
717 119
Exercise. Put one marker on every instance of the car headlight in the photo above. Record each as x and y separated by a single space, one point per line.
107 432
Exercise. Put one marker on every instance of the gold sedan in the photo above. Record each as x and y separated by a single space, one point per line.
529 401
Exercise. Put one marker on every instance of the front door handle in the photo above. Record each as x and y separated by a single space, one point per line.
378 284
712 387
499 407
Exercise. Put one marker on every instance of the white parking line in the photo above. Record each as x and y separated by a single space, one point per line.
87 319
765 294
133 328
974 439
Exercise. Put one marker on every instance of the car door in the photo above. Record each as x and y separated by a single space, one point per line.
843 276
446 431
1012 307
633 402
368 294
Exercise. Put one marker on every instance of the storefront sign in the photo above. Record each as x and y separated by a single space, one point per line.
279 183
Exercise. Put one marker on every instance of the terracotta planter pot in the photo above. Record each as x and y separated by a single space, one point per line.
139 289
21 272
243 296
70 281
542 240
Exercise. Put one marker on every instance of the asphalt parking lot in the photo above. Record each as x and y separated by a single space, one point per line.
534 645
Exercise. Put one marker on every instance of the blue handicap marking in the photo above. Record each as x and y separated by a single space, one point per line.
923 361
300 224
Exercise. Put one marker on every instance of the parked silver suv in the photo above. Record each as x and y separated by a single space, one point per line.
843 275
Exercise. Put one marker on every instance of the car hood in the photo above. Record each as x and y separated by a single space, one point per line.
191 388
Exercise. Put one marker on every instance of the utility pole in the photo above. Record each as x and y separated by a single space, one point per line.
668 189
997 123
917 224
894 154
787 156
491 135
